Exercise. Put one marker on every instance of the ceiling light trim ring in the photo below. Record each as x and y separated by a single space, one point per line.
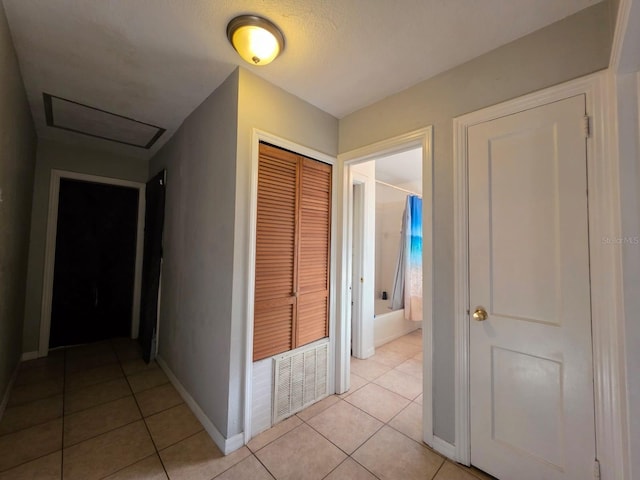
255 21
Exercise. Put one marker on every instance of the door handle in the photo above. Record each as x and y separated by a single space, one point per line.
480 314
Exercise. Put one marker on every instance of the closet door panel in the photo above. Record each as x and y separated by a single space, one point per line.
313 252
292 252
275 280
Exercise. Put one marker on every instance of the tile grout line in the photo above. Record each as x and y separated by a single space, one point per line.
35 424
338 466
411 401
439 468
103 433
358 463
62 416
383 424
144 421
125 377
388 423
28 461
96 405
30 401
361 410
42 423
127 466
422 444
259 461
330 441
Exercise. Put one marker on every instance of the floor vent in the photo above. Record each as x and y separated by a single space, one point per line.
300 380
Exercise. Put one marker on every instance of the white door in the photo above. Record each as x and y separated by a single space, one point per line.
531 381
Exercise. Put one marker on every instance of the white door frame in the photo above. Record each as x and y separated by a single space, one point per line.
357 195
604 222
334 330
50 250
361 263
418 138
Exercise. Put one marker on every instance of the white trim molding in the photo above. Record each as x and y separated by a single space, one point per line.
605 260
361 261
50 250
26 356
257 137
623 58
226 445
442 446
418 138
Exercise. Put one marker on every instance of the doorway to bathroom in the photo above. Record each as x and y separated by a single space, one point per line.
386 249
388 191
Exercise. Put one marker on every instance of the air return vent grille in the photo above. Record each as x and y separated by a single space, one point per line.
300 380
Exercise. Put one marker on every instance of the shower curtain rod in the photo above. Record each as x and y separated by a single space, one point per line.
398 188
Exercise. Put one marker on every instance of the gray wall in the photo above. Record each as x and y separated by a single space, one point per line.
268 108
570 48
17 161
195 310
50 156
614 6
204 278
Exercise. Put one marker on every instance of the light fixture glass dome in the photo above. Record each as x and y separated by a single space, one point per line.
257 40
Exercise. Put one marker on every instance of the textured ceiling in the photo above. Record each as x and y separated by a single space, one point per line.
156 60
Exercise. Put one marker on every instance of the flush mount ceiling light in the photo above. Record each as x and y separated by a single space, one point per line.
256 39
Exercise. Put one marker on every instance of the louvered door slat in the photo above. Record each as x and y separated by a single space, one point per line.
274 303
312 314
313 253
292 251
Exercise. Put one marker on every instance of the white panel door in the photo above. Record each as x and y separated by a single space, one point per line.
531 381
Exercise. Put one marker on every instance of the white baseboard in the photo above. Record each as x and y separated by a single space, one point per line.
26 356
444 447
226 445
7 392
369 352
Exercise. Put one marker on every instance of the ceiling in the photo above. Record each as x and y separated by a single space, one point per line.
154 61
404 170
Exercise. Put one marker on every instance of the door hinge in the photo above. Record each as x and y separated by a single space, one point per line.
596 470
587 126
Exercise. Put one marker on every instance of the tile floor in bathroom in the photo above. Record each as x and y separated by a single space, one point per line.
99 412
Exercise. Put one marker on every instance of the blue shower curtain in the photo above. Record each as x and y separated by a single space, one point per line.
407 285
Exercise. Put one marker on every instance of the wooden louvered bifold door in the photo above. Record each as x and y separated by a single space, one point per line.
275 302
292 252
313 251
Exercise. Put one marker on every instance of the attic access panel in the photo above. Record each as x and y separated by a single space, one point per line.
94 122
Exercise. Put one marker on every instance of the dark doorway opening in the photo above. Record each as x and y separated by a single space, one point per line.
94 262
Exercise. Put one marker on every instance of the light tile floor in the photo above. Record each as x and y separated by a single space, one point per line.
99 412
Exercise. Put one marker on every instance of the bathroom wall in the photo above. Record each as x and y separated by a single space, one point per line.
388 324
388 231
